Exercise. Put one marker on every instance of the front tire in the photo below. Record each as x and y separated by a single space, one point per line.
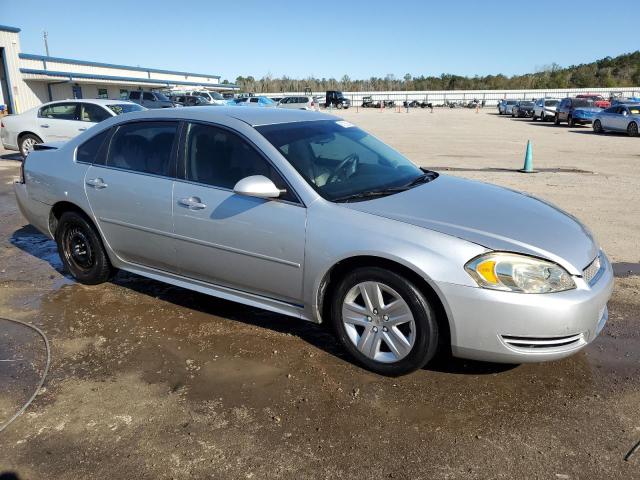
632 129
570 121
556 119
81 249
385 322
27 143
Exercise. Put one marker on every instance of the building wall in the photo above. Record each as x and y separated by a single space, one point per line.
22 97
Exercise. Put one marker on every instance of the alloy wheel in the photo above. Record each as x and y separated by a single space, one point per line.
28 145
379 322
632 129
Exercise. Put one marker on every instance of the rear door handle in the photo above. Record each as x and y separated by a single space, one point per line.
97 183
82 129
45 126
192 203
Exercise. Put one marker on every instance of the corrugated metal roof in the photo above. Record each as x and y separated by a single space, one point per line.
72 75
72 61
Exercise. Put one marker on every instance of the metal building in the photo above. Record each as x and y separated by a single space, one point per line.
28 80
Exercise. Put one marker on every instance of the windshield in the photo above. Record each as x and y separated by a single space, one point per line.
526 104
121 108
511 102
216 96
162 97
550 103
338 159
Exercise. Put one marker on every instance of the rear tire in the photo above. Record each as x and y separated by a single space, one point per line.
570 121
81 249
597 126
632 129
26 144
394 343
556 119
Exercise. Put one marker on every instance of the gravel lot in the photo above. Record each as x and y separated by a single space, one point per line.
152 381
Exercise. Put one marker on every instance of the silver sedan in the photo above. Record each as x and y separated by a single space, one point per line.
305 214
619 118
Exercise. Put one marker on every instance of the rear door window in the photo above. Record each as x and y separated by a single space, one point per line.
60 111
134 95
145 147
90 151
147 96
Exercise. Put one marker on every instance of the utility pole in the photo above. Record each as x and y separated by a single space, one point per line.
45 36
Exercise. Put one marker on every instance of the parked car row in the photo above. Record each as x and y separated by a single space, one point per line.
615 115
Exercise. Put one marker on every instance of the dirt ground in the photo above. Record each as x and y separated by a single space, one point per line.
153 381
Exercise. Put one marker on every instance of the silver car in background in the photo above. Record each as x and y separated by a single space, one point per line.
619 118
545 109
58 121
301 102
304 214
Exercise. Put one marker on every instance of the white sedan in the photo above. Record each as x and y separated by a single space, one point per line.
58 121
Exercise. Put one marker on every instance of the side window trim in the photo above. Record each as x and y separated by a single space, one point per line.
181 160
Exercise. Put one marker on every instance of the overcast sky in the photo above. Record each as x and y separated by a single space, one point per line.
330 39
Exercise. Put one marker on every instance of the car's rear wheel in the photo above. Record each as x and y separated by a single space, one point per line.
556 119
81 249
339 106
384 321
632 129
570 122
597 126
27 143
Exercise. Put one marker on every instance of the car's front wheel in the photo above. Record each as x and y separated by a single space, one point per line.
556 119
81 249
632 129
27 143
384 321
570 121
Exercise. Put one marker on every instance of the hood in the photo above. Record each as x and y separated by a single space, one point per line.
494 217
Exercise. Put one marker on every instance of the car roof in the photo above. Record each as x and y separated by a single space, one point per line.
253 116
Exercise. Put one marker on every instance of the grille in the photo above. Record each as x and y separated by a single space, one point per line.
542 343
591 272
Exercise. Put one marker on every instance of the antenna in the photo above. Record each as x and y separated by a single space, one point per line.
45 37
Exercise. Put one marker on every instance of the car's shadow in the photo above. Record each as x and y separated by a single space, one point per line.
29 240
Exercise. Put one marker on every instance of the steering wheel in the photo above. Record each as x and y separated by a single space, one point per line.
341 171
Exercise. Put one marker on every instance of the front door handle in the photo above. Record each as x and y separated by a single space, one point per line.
82 129
45 126
97 183
192 203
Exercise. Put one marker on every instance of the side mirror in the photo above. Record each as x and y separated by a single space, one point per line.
257 186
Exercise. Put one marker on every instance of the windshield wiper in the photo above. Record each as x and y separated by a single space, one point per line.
426 177
370 194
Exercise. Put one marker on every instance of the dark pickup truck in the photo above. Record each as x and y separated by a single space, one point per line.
336 99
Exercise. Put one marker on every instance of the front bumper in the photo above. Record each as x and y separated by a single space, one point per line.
512 327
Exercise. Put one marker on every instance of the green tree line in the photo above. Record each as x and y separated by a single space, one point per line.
620 71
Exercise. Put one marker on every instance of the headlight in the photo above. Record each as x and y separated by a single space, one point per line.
518 273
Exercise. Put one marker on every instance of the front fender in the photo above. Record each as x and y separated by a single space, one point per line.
335 233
